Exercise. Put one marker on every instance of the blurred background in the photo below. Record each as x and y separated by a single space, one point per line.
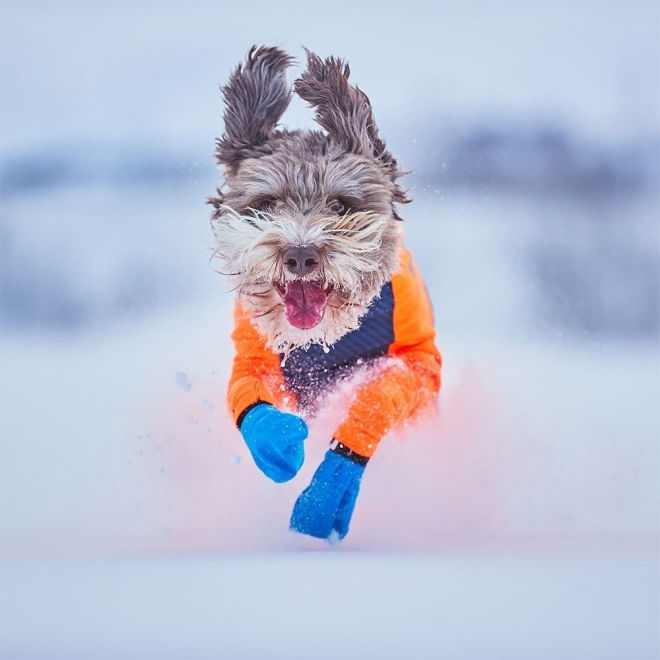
532 130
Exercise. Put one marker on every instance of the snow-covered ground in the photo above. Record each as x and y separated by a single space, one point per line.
116 436
454 605
522 523
519 523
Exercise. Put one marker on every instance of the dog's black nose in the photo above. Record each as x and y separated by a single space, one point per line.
302 259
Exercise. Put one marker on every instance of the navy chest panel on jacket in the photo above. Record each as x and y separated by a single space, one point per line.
309 372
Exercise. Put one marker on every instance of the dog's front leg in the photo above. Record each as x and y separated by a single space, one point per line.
257 397
275 440
406 386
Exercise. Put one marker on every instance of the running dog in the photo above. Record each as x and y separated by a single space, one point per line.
309 231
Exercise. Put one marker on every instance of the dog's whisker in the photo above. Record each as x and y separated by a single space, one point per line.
222 272
258 294
267 312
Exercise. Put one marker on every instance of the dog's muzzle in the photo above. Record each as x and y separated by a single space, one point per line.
304 300
302 259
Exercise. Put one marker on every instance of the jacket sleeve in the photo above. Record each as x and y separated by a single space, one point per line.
256 373
409 378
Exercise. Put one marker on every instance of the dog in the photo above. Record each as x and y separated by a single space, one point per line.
308 228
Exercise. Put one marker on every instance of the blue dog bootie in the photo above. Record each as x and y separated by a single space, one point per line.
324 509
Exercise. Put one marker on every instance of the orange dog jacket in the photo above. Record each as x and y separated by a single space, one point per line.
396 336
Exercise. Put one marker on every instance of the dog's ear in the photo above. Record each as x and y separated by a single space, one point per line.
344 111
255 97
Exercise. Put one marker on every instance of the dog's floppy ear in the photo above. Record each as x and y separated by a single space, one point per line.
344 111
256 96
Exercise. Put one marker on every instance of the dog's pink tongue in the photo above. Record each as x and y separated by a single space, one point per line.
304 303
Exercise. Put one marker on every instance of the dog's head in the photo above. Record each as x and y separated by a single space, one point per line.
305 221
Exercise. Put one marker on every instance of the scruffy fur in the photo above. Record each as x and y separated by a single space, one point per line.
334 190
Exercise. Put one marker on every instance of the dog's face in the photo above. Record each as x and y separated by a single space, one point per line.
305 222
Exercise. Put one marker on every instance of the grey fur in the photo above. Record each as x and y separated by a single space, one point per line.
334 190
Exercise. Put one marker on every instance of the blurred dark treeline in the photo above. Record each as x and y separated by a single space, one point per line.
591 258
541 160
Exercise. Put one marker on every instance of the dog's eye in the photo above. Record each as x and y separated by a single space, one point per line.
337 207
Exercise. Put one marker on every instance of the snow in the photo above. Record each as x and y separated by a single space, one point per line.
181 380
520 522
335 604
102 450
523 523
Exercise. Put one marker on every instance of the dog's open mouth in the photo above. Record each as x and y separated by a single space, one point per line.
304 302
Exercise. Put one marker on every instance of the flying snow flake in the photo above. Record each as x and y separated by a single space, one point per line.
334 538
181 380
234 460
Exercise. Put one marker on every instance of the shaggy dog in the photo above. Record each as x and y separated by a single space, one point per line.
308 230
